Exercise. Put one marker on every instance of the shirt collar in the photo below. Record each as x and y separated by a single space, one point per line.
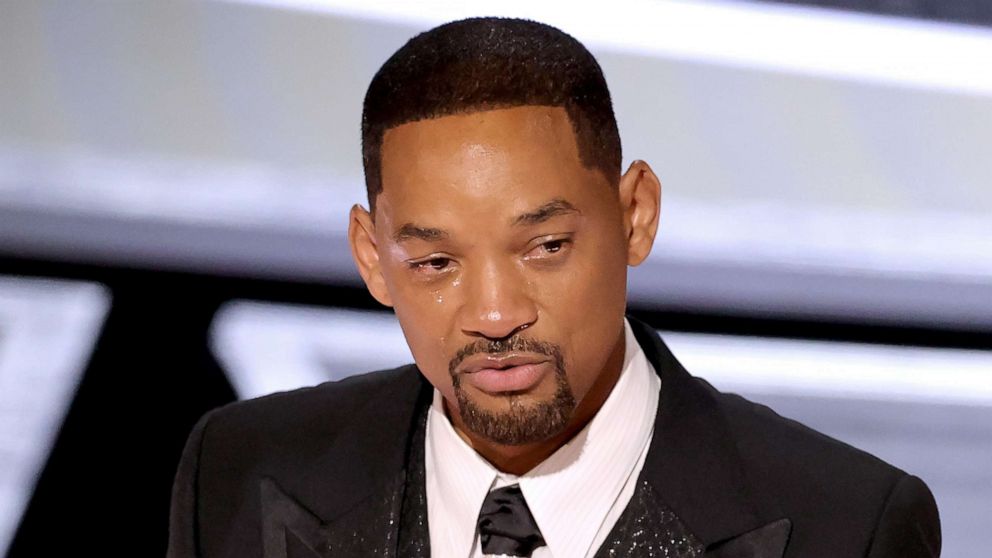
458 480
571 492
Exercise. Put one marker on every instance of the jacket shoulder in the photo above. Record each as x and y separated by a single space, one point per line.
762 435
290 437
822 484
318 411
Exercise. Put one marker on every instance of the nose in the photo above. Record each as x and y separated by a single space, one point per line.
497 303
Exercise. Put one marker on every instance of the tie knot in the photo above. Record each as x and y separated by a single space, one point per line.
506 525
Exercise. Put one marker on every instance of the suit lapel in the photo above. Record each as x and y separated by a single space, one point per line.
284 520
769 540
291 530
694 467
348 501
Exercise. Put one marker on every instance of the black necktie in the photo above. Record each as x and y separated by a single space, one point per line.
506 525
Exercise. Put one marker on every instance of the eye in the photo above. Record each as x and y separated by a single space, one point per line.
553 246
549 248
431 265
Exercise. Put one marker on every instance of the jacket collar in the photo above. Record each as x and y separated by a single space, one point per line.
692 462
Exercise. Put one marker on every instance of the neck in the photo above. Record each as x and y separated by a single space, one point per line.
518 459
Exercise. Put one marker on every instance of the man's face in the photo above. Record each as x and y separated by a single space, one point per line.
505 260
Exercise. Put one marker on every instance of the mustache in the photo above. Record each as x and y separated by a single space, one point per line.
506 345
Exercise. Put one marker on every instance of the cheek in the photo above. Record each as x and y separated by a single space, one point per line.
586 306
426 324
426 342
593 285
412 299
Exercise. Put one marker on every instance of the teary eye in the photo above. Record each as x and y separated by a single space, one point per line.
431 264
550 249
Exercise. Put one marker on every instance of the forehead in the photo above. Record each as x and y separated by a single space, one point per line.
515 156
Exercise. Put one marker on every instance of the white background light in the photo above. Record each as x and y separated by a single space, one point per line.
828 43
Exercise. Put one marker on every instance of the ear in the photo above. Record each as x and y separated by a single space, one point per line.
640 201
365 252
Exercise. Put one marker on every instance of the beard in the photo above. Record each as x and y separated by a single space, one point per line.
523 423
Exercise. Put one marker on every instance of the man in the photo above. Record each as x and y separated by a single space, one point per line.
537 420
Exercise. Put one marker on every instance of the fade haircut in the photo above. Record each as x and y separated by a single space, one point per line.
490 63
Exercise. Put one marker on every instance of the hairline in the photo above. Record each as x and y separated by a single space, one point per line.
379 137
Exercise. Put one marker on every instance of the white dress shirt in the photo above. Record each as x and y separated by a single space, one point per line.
576 495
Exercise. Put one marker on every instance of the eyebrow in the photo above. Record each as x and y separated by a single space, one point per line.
553 208
410 231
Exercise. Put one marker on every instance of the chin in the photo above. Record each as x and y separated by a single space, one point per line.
517 419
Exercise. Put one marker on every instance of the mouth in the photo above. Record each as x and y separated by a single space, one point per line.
503 374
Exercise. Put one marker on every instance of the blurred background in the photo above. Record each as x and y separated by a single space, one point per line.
174 186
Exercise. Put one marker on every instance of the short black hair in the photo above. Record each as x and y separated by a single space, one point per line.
490 63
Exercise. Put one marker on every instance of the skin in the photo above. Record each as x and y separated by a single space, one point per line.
459 249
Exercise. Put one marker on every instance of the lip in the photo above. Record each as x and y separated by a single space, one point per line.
504 373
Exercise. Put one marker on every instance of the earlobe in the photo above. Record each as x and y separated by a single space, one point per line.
640 199
365 253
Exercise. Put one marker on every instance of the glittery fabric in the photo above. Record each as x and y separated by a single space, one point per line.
395 526
290 530
372 531
414 534
647 528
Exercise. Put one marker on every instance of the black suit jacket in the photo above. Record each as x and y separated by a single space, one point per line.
320 472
